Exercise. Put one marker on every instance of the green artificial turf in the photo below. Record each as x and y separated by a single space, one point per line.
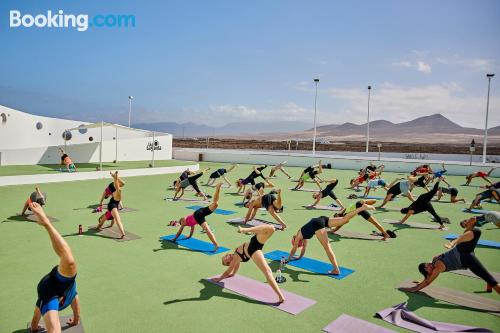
149 286
14 170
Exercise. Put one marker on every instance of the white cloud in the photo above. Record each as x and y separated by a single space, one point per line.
403 63
475 64
423 67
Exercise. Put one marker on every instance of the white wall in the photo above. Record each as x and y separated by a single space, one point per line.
347 163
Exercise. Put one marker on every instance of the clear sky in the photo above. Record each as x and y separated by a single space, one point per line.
215 62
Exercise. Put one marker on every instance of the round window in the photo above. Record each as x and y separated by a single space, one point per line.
91 138
67 135
39 125
82 129
3 118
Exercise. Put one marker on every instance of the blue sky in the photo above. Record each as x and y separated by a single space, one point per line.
215 62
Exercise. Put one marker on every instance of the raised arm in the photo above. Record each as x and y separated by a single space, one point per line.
465 237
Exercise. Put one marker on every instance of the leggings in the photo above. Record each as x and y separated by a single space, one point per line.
470 261
194 184
423 203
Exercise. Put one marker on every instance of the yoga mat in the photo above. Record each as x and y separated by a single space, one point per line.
196 244
319 207
64 326
115 233
347 324
412 224
33 218
188 200
482 242
304 189
189 188
254 222
356 235
127 210
217 211
458 298
311 265
376 197
400 316
262 292
466 272
475 211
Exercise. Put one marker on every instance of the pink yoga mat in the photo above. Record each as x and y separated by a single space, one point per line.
262 292
348 324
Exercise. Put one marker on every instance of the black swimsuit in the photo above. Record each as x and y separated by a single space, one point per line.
113 204
253 247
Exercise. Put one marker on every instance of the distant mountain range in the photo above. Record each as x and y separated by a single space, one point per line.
433 128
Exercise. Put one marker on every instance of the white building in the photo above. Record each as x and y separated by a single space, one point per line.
28 139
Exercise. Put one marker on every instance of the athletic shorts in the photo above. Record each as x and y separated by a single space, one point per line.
309 229
394 190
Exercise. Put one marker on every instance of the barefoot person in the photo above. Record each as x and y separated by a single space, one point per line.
112 213
198 217
460 256
256 190
191 180
403 187
38 197
256 173
317 226
220 173
312 173
372 184
452 191
271 203
327 192
252 250
479 174
67 162
57 289
423 204
108 191
364 214
492 192
279 167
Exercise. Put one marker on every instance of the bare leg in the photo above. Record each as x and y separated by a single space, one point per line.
25 208
387 198
377 225
323 239
263 232
51 320
117 218
261 263
210 235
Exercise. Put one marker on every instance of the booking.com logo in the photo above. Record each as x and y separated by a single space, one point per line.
61 20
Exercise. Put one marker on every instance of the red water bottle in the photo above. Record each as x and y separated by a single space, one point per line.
80 229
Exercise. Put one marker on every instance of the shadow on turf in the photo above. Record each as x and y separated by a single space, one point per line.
291 272
17 218
416 301
169 245
89 232
210 290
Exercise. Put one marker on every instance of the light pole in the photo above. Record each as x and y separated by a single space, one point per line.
489 76
379 145
368 120
472 148
316 81
130 98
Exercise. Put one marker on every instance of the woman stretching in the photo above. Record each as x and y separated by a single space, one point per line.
253 250
373 184
312 173
108 191
220 173
279 166
492 192
479 174
423 204
190 181
112 213
317 226
66 161
257 189
198 217
460 256
403 187
452 191
257 172
327 192
38 196
268 201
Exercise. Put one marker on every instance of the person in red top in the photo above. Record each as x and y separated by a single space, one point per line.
480 174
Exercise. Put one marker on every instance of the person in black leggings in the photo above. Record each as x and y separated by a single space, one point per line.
256 173
327 192
423 204
271 203
492 192
452 191
252 250
190 181
460 256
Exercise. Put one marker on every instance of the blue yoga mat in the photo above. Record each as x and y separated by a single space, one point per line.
217 211
475 211
311 265
196 244
482 242
376 198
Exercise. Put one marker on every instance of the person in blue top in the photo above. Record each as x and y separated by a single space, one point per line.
57 289
220 173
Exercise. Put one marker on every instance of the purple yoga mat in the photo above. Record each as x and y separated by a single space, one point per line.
400 316
348 324
262 292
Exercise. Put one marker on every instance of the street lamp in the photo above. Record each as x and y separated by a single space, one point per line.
316 81
368 120
489 76
379 145
472 148
130 98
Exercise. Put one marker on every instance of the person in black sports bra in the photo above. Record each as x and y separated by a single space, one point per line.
252 250
112 213
327 192
220 173
257 189
268 201
256 173
108 191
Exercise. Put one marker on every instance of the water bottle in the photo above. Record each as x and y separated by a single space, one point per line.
80 229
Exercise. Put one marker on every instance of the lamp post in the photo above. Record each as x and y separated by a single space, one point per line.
316 81
368 120
130 98
489 76
472 148
379 145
